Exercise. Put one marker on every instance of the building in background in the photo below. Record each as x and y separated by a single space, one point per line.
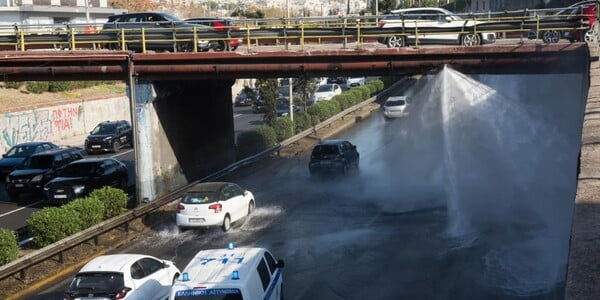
54 12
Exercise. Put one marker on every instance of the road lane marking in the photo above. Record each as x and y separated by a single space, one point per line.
18 209
122 153
236 115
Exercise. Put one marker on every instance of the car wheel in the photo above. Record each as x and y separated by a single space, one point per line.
551 36
226 223
220 46
12 196
185 47
116 146
590 36
250 207
233 48
395 41
470 39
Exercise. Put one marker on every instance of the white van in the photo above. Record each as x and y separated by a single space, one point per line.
231 273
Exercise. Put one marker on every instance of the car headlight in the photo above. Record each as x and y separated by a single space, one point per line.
78 189
107 138
37 178
46 189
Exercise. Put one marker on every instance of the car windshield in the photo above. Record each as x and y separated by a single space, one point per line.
395 103
100 282
325 88
37 162
171 17
79 169
321 150
209 294
20 151
199 197
105 129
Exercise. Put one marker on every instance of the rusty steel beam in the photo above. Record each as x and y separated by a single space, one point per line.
94 65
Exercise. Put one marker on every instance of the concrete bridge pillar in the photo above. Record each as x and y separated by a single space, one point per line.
184 132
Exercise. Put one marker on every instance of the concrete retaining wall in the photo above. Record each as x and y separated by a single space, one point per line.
54 123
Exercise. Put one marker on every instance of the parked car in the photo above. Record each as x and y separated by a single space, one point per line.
283 107
355 81
338 80
395 106
219 25
34 172
16 154
81 177
109 136
214 204
326 92
160 30
333 156
259 106
243 99
253 273
584 10
428 18
123 276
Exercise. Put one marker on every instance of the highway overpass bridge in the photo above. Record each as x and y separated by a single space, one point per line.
181 102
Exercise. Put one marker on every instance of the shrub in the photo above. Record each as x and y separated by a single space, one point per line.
90 209
355 96
37 87
114 200
52 224
255 141
363 92
60 86
378 83
301 121
13 84
284 128
314 119
372 87
319 109
9 247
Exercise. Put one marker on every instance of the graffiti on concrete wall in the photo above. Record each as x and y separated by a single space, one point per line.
36 125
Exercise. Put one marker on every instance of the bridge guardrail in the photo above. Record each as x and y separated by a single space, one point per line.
20 265
275 31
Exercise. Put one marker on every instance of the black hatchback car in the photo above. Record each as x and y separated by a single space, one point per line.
81 177
333 156
109 136
34 172
16 154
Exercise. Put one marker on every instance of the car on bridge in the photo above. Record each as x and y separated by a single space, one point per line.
161 31
219 25
109 136
81 177
431 20
123 276
30 176
214 204
584 10
16 154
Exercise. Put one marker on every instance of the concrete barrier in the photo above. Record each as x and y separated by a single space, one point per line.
56 122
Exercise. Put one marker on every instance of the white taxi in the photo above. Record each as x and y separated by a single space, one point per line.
214 204
231 273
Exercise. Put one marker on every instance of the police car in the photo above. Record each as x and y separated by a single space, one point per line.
231 273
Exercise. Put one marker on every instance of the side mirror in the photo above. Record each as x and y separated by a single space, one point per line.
448 19
280 264
3 155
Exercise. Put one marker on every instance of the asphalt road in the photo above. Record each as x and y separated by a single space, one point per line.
469 196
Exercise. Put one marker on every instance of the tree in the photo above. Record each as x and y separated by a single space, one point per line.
267 89
385 6
134 5
305 88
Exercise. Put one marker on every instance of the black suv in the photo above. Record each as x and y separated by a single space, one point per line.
34 172
109 136
81 177
161 30
333 156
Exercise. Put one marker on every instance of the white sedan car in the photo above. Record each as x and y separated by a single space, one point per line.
445 23
395 106
355 81
326 92
214 204
123 276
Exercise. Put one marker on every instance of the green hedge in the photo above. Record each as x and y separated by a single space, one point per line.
52 224
256 140
13 84
59 86
91 210
9 246
113 199
284 128
301 121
